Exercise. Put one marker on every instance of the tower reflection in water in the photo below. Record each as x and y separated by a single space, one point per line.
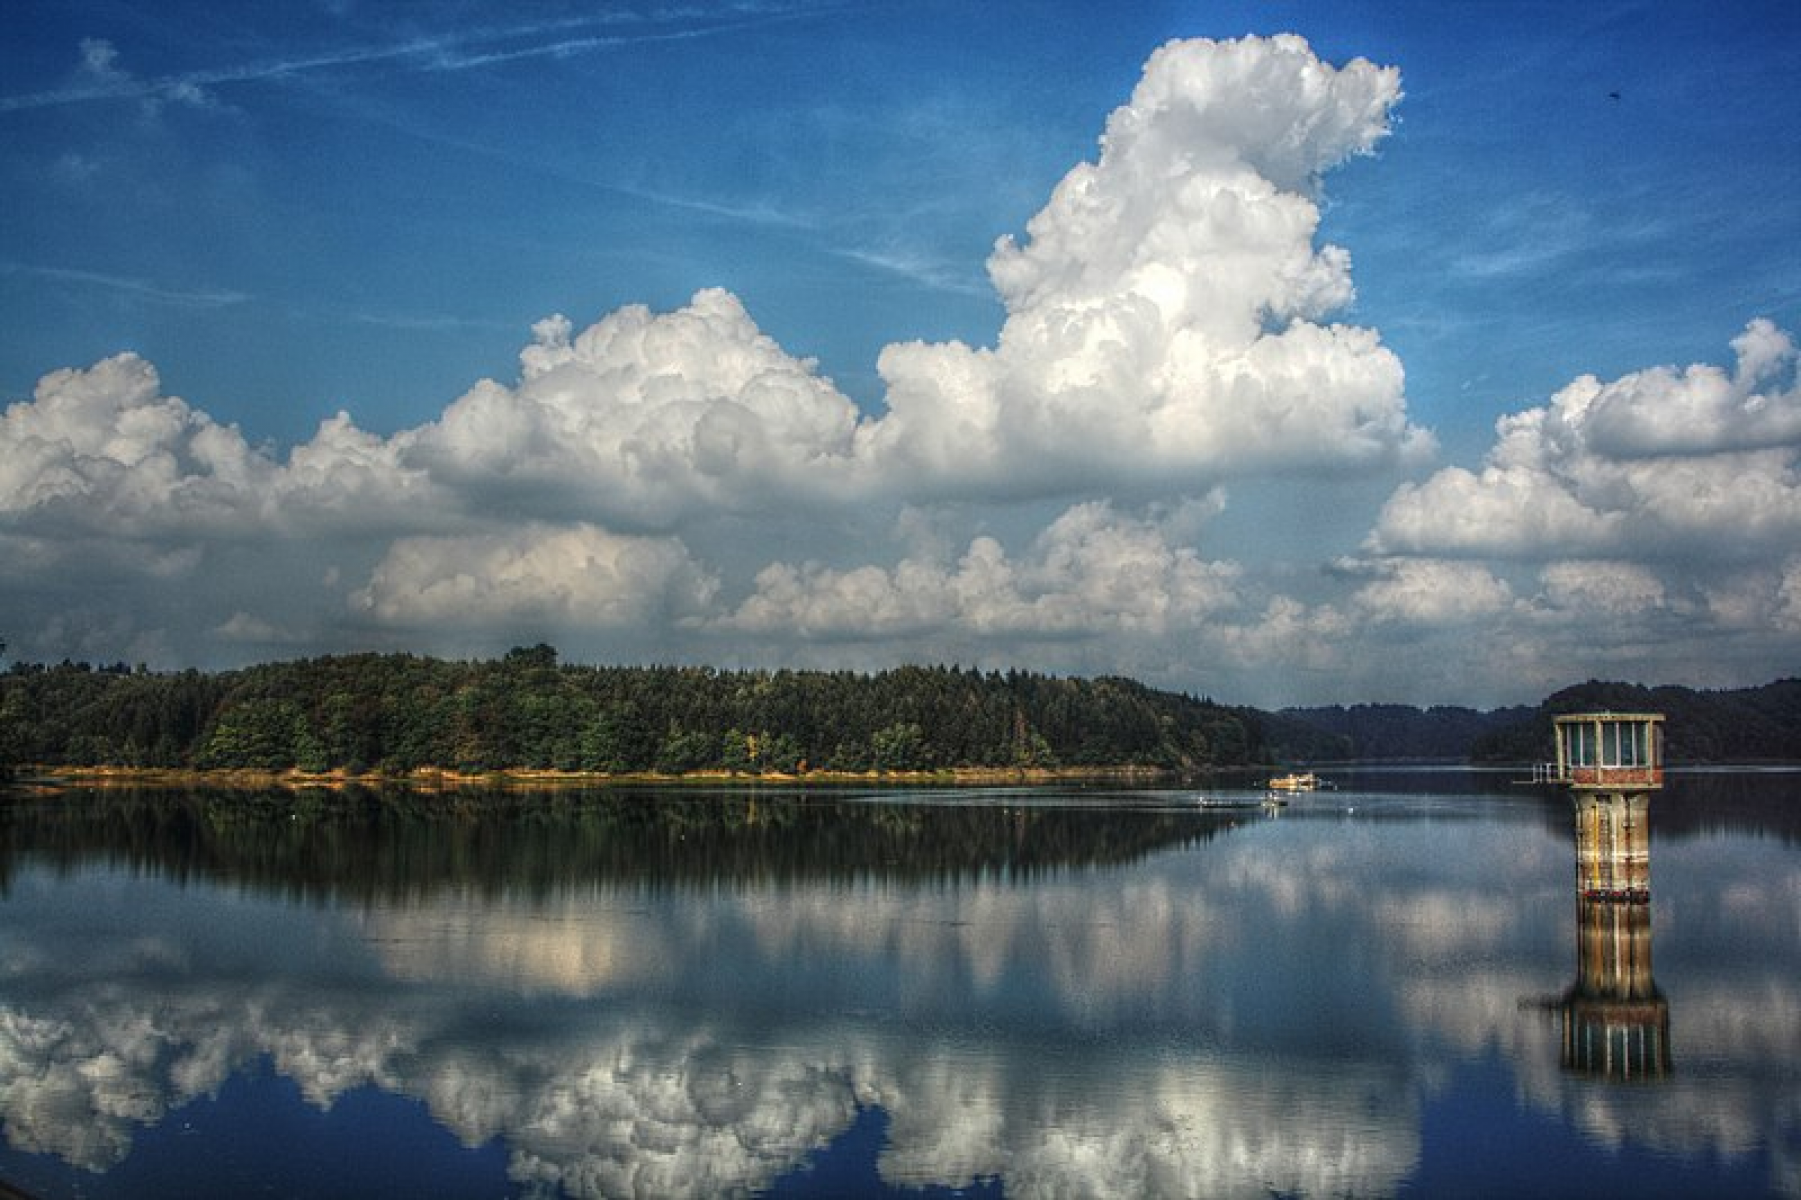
1616 1024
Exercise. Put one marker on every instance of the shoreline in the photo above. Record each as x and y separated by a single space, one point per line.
532 779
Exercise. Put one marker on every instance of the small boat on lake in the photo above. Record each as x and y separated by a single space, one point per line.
1303 782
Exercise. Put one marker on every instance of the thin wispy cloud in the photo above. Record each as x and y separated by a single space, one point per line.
451 57
812 228
101 79
426 322
938 276
748 214
139 288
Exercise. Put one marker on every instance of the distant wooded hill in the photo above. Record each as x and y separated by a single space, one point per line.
1385 732
1760 724
397 713
1757 724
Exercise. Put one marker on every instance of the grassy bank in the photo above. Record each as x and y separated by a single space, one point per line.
525 779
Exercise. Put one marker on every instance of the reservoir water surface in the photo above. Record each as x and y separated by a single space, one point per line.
1390 988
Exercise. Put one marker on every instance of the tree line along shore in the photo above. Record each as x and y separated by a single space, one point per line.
526 714
529 717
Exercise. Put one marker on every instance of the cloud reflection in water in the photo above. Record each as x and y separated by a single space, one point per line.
1267 1011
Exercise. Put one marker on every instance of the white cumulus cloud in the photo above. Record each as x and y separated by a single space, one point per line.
1696 460
1426 592
102 452
1091 571
1165 330
1701 409
644 419
103 449
1164 311
1169 327
1613 588
1644 526
580 577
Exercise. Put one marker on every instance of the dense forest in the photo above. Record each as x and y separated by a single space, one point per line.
397 713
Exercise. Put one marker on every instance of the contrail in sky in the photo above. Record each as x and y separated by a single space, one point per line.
451 52
136 287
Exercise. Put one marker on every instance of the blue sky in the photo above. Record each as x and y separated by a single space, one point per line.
280 214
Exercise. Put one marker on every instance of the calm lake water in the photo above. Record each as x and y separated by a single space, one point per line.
1388 989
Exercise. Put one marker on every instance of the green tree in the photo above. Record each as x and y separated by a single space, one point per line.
309 751
738 751
258 733
899 747
618 739
687 750
779 753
